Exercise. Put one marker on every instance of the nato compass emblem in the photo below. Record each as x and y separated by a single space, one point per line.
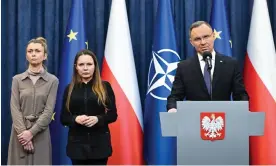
162 70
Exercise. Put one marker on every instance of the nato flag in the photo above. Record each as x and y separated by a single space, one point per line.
160 150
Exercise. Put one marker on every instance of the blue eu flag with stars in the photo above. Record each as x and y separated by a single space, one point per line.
219 22
160 150
74 41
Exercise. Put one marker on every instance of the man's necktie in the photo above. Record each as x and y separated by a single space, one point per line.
207 78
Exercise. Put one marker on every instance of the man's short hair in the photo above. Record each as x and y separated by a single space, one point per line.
197 24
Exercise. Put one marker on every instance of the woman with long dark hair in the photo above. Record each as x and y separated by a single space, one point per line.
88 108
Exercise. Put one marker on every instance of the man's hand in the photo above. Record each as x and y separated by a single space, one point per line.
25 137
172 110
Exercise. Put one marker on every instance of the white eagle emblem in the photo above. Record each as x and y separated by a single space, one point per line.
212 127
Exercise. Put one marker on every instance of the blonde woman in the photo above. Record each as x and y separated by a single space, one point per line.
33 97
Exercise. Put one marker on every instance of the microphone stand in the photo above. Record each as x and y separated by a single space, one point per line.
209 70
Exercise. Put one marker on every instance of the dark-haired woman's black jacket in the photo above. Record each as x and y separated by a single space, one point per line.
88 142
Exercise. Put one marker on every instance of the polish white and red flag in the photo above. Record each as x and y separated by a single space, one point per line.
260 82
119 69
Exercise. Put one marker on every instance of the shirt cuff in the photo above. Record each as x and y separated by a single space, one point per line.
100 120
34 130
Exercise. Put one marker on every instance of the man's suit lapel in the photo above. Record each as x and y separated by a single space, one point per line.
217 70
198 74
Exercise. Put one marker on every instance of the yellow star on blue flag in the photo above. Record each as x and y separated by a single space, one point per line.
53 116
217 34
72 35
86 43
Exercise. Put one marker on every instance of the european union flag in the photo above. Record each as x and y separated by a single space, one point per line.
158 149
219 22
75 40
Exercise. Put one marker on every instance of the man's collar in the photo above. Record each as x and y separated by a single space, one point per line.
200 57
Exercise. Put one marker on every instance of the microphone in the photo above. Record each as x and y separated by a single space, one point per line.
207 57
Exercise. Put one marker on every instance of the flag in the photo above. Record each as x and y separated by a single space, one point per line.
219 23
160 150
260 81
119 69
74 41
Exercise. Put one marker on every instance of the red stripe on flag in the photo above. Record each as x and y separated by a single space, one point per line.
126 132
262 148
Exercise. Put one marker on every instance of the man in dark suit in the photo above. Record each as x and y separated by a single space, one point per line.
195 81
